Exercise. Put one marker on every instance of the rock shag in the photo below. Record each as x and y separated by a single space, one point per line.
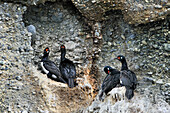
110 81
50 68
67 68
127 77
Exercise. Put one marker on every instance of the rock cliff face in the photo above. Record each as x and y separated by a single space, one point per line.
16 51
29 2
134 11
94 32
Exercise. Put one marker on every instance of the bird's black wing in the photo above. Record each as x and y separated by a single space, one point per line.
125 78
68 69
133 79
116 74
128 78
116 78
106 81
51 67
110 82
72 68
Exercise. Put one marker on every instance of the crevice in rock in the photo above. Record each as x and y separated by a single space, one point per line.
59 23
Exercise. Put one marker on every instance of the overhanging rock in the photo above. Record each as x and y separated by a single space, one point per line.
135 12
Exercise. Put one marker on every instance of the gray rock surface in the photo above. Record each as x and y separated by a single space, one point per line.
29 2
134 12
167 47
31 29
116 102
91 46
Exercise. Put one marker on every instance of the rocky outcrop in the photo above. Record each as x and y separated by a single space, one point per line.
15 58
29 2
23 88
26 30
134 12
58 97
116 102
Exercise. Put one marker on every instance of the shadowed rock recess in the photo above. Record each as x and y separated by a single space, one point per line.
94 33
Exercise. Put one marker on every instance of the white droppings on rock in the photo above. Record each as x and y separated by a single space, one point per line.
120 104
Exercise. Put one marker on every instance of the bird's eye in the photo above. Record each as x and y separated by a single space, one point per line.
62 47
46 49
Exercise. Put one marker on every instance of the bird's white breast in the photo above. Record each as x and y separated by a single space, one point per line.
42 66
120 82
54 76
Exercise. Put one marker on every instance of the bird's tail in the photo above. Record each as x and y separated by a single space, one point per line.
129 93
62 80
71 82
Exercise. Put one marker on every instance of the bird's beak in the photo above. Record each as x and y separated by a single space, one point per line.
115 58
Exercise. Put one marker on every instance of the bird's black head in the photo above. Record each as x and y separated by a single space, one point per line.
62 48
46 53
121 58
46 50
107 69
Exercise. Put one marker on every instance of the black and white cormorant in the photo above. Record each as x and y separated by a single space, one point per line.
110 81
127 77
67 68
50 68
